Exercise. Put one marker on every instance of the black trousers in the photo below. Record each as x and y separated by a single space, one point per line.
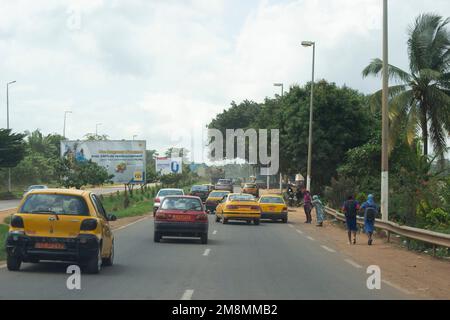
308 209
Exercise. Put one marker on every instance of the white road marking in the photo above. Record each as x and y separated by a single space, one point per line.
187 295
310 238
299 231
130 224
353 263
207 251
396 287
215 232
291 225
328 249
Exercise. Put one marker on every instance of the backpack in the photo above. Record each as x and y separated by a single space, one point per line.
370 214
351 208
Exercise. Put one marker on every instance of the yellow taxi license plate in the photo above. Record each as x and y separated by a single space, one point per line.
272 209
47 245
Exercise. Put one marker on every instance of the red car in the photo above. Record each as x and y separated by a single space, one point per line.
181 216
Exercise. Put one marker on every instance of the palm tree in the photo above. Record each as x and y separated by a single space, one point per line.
420 100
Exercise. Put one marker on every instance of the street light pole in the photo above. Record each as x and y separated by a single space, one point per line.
282 95
385 120
64 128
96 129
7 127
310 140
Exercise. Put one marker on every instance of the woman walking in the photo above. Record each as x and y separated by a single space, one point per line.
307 205
370 211
316 203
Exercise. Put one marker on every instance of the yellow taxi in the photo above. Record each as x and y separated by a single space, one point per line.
214 199
273 208
61 225
251 188
238 206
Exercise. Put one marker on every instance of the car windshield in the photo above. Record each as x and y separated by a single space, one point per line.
241 197
199 188
55 204
170 192
271 200
184 204
217 194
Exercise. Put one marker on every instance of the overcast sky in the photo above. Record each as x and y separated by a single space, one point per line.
161 69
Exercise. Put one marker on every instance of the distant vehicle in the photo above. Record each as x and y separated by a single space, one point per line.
224 184
200 191
214 199
210 187
273 208
251 188
34 187
61 225
240 207
181 216
164 193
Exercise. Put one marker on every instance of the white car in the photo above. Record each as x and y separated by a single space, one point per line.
34 187
164 193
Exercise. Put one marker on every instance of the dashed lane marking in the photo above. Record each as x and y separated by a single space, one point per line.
187 295
353 263
310 238
207 251
215 232
328 249
130 224
299 231
396 287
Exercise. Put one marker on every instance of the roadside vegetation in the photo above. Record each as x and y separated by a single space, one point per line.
3 232
347 132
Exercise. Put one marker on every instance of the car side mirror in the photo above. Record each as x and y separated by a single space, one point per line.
111 217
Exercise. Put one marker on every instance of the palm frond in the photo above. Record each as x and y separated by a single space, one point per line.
376 67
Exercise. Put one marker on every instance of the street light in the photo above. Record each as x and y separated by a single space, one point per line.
7 127
308 175
64 128
96 128
385 121
282 94
134 136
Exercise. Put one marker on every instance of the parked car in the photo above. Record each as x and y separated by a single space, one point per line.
214 199
240 207
34 187
164 193
200 191
224 184
181 216
273 208
62 225
251 188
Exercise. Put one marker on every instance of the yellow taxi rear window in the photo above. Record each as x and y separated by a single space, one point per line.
271 200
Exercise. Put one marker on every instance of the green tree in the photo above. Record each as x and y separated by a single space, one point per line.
420 99
96 137
78 174
12 148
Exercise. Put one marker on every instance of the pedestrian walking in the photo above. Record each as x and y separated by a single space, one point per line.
370 212
307 205
320 213
350 208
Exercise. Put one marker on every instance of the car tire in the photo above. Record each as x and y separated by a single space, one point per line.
110 260
256 222
94 265
157 237
285 220
224 221
13 263
249 221
204 238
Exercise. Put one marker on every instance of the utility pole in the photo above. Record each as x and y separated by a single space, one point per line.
64 128
7 127
282 95
385 120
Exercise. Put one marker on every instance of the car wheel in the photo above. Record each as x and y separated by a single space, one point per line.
157 237
249 221
285 220
13 263
224 221
204 238
110 260
94 265
256 222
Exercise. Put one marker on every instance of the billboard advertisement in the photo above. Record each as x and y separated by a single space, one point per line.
166 165
125 159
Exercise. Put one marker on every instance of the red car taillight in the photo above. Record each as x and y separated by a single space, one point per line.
285 208
254 208
202 217
163 216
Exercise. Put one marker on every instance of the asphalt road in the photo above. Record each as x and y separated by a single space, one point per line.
11 204
270 261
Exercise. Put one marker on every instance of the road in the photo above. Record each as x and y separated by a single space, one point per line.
12 204
270 261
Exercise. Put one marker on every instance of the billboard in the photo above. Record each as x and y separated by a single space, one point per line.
125 159
166 165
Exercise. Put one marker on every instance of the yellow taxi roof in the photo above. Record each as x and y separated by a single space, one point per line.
74 192
272 196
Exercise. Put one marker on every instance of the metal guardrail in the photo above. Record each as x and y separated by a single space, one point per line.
431 237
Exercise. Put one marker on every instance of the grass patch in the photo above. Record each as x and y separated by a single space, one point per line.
140 203
7 220
3 231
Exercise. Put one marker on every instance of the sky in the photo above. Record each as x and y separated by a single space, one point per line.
162 69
